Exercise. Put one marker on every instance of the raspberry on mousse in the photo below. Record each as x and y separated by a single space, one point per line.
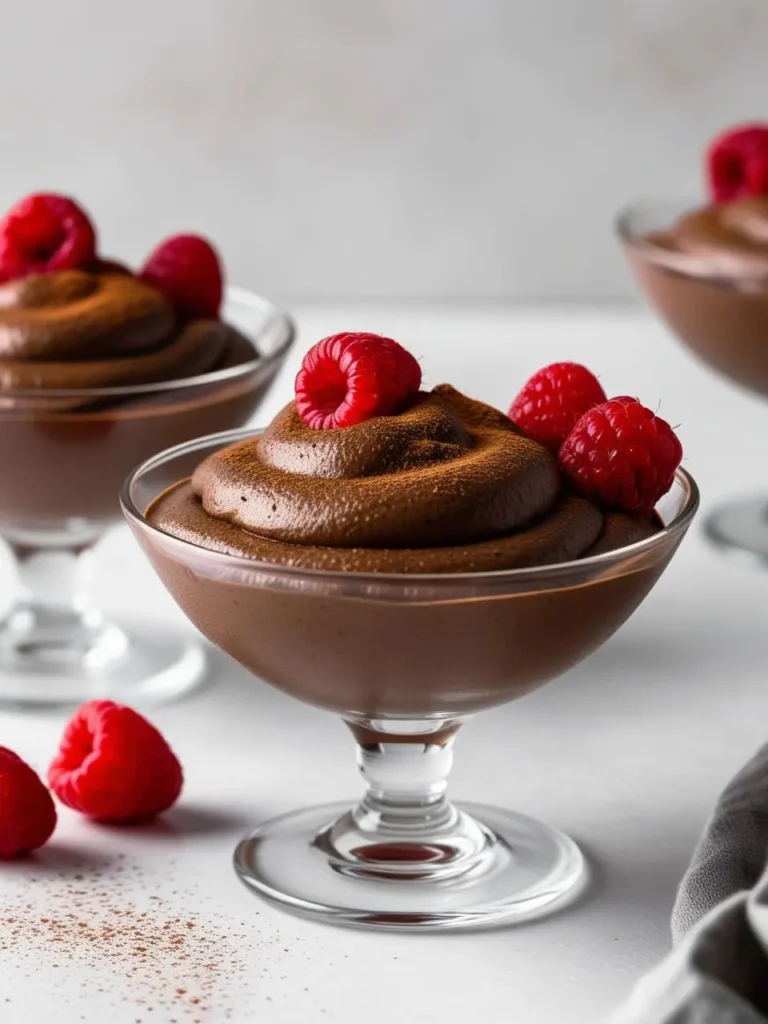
188 271
349 378
737 163
622 455
45 232
552 400
617 453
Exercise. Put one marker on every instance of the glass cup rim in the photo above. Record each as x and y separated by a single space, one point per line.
136 517
683 263
233 293
622 221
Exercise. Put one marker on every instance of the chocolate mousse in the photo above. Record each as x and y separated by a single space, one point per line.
706 272
432 560
77 330
100 366
449 485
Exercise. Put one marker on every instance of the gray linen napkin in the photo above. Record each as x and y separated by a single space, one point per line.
718 971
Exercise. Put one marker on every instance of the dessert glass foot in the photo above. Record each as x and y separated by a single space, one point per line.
407 858
404 660
741 527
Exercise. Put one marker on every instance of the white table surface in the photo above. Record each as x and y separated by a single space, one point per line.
626 753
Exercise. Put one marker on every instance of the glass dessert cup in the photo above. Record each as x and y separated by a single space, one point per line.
64 456
723 320
404 660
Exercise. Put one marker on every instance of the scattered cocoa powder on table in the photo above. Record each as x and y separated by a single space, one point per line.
110 925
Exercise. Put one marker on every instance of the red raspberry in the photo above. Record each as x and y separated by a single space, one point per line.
622 455
737 163
42 233
552 400
27 812
187 270
349 378
113 765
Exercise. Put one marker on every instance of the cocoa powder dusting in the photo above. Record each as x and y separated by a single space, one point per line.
109 926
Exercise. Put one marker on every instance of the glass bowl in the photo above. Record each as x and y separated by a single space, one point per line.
723 320
404 660
65 455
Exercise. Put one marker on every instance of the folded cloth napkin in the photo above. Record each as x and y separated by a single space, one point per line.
718 971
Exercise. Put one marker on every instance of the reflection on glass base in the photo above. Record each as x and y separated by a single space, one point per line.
50 660
521 870
740 526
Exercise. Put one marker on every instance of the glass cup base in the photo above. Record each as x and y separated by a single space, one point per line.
741 527
51 663
525 870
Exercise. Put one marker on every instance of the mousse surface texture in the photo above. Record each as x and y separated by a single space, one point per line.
80 329
446 485
721 240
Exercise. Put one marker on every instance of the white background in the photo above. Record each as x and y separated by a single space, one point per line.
451 148
627 752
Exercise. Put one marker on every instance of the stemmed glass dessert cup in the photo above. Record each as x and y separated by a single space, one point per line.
722 319
404 659
64 455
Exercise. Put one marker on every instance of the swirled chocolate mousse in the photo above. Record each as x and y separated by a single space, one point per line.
728 241
100 363
707 273
444 484
366 472
79 329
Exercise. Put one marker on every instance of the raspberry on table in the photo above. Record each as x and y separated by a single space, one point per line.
45 232
621 455
349 378
27 811
552 400
114 766
188 271
737 163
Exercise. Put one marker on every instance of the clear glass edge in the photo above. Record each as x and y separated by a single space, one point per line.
671 530
622 219
680 262
279 318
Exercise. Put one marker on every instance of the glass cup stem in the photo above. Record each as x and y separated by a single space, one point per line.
406 783
405 826
52 621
